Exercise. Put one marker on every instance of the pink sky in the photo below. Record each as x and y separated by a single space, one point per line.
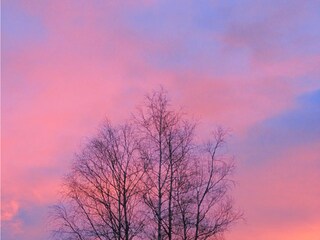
253 68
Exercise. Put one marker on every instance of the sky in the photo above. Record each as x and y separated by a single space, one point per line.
250 66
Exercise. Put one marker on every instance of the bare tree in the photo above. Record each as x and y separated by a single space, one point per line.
213 207
167 140
148 171
101 193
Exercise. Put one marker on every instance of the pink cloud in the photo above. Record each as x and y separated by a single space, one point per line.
85 70
281 198
91 65
9 209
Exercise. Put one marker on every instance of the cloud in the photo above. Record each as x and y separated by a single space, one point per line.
30 222
278 174
68 65
9 210
280 195
290 129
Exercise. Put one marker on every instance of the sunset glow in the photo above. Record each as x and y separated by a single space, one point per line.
250 66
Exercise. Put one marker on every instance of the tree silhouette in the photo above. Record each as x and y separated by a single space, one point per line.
101 192
148 179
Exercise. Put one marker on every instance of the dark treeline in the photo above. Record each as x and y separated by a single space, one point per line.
147 179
